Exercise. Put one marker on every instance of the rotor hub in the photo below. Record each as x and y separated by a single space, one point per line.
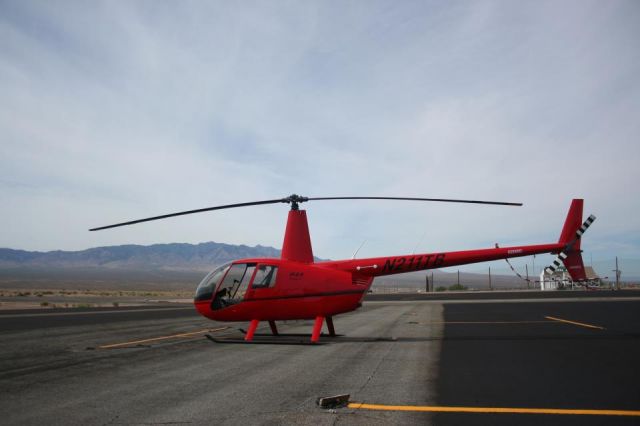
295 200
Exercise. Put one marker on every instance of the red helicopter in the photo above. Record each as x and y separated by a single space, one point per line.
295 287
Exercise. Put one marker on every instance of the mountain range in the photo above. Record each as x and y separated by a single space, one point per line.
175 256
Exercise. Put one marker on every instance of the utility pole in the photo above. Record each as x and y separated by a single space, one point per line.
526 268
490 278
459 276
533 267
427 279
433 283
618 273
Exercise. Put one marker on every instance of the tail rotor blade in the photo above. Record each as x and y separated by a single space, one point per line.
556 263
580 231
587 223
562 256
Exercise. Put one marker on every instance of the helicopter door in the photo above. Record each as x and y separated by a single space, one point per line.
265 276
234 285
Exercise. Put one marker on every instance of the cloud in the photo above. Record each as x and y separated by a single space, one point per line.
113 111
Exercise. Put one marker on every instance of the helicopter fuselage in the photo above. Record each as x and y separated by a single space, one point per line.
297 291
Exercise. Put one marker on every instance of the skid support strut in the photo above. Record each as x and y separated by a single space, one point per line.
332 331
317 328
274 329
252 329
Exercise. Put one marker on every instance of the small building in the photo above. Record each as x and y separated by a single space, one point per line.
560 279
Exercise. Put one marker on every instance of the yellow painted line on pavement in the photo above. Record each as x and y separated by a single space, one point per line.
485 322
156 339
580 324
494 410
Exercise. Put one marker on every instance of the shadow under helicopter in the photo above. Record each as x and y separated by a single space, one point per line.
303 339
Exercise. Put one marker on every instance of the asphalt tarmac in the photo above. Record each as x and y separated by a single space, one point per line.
402 362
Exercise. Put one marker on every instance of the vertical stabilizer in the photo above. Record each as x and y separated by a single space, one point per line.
297 242
570 237
572 224
575 266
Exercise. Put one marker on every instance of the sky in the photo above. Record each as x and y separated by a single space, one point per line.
119 110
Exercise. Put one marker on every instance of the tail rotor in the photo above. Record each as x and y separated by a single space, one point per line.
571 255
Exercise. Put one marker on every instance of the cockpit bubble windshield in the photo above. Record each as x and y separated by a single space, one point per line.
234 285
209 283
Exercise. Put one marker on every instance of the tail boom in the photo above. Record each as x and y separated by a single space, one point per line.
567 247
380 266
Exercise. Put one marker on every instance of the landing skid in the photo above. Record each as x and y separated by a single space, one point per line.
315 335
270 340
289 334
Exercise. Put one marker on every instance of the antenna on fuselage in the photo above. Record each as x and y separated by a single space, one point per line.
418 243
356 252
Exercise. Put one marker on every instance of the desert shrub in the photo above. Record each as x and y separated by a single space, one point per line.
458 287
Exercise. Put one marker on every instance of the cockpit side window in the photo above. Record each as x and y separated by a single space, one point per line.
265 276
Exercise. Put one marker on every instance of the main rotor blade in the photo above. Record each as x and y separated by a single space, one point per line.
497 203
294 200
164 216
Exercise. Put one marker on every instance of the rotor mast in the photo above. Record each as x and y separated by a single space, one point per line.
297 241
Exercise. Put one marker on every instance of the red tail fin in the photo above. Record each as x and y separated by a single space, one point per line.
574 266
572 224
571 240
